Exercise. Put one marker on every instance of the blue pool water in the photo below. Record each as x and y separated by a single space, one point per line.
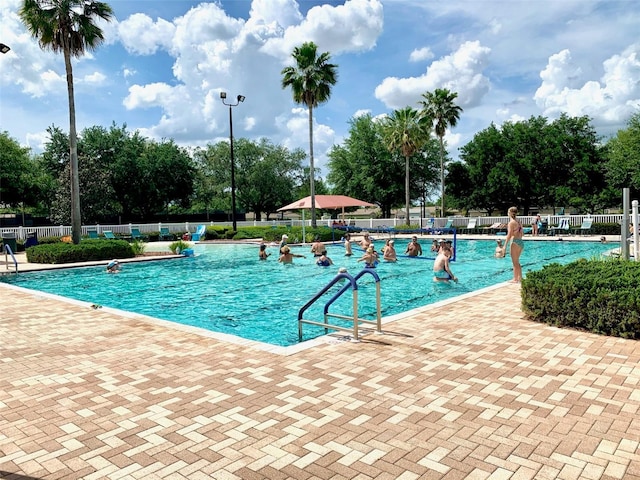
224 288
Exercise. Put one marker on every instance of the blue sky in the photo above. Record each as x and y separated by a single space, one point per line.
164 63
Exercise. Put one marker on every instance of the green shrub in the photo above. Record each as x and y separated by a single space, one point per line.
137 246
601 296
85 251
44 240
214 233
178 246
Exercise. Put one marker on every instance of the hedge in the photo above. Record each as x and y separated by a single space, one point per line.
600 296
85 251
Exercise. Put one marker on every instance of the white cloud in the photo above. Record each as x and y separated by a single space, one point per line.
611 100
140 35
460 72
420 54
94 79
352 27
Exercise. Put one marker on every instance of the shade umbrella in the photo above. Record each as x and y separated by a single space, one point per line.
326 202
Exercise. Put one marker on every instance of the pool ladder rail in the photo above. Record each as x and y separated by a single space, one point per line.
352 285
7 253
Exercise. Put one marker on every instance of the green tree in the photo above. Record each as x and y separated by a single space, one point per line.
623 158
406 132
438 106
310 79
14 163
67 26
267 176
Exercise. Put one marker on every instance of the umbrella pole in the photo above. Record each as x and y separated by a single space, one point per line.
303 228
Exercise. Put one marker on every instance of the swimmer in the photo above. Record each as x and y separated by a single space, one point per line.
441 270
370 258
413 249
389 252
113 266
499 253
323 260
287 257
347 245
317 247
262 254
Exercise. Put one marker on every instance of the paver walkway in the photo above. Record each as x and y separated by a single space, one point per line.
469 390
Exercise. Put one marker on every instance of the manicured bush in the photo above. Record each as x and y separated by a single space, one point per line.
214 233
601 296
85 251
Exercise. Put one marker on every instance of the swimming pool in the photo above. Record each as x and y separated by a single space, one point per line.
224 288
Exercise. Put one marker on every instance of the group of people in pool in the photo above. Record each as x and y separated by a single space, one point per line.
443 249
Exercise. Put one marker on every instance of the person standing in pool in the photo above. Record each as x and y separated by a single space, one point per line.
347 245
262 254
286 256
283 242
514 234
441 270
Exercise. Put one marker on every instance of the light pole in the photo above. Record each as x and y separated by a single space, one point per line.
239 98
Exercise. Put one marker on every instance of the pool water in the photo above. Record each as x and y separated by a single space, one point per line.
225 288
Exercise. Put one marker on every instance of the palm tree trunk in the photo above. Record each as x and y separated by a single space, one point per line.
312 189
76 224
406 188
442 176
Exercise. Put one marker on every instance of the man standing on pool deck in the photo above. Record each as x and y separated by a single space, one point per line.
514 233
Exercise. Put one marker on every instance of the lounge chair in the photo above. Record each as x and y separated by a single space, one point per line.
563 226
495 228
199 233
165 234
585 227
137 235
108 234
93 234
471 226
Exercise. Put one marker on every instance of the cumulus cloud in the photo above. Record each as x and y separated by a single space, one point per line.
460 72
352 27
612 99
421 54
140 35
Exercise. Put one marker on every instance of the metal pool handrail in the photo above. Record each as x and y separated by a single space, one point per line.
7 251
353 285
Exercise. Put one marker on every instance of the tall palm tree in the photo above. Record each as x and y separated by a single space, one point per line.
310 80
406 131
67 26
439 107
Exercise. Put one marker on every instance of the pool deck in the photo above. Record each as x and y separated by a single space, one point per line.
467 389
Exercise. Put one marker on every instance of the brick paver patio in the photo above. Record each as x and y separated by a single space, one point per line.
468 390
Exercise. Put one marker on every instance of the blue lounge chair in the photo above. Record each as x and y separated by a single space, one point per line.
108 234
93 234
165 234
136 235
199 233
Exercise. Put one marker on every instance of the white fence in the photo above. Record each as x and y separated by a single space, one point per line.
21 233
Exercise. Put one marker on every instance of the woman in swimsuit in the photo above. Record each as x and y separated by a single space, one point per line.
514 233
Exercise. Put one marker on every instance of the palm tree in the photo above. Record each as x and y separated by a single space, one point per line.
406 131
67 26
310 80
439 107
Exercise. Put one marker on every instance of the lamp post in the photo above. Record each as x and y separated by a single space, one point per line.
239 98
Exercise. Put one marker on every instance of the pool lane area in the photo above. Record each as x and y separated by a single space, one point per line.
225 288
464 390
